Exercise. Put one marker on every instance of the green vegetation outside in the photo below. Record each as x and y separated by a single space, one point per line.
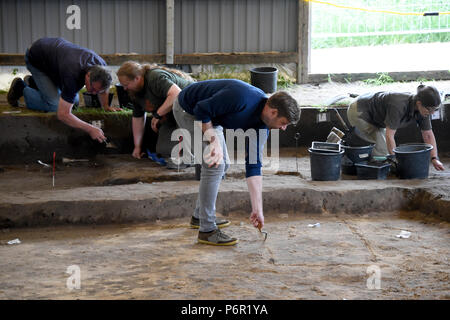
342 25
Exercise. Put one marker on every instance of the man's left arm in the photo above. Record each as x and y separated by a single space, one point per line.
390 139
428 137
104 102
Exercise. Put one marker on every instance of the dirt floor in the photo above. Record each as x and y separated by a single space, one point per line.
120 169
163 261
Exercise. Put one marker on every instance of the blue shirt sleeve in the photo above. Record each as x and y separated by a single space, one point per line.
254 152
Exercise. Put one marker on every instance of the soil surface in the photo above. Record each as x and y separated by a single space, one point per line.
162 260
120 169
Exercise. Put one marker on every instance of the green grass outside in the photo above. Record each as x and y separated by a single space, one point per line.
329 19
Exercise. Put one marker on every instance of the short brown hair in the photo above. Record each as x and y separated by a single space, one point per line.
286 105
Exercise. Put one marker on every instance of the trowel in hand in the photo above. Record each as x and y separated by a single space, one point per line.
263 233
109 145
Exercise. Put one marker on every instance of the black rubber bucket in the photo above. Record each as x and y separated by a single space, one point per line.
325 166
264 78
413 160
358 154
124 98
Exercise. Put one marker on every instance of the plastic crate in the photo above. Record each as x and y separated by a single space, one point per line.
372 170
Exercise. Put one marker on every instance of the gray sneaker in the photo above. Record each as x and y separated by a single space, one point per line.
216 238
195 223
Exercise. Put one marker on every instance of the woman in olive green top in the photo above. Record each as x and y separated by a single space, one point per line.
152 88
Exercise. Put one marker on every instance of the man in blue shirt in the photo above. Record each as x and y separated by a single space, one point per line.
229 104
59 70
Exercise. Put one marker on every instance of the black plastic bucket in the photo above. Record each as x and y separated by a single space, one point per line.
264 78
124 98
91 100
325 166
413 160
358 154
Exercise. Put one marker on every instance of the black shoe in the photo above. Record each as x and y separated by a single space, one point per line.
15 92
29 81
216 238
195 223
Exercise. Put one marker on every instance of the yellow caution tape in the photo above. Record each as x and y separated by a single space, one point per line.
380 11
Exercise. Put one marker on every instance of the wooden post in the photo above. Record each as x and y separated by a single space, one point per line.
304 41
170 8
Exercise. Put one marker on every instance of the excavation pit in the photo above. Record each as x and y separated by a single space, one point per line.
120 189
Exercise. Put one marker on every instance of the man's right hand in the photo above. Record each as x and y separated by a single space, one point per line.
215 156
137 153
257 219
97 134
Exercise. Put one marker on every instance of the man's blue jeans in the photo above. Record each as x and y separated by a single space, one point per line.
47 97
205 209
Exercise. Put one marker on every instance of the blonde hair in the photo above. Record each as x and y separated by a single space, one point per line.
132 69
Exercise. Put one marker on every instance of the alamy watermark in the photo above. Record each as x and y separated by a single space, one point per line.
74 281
241 146
74 20
374 280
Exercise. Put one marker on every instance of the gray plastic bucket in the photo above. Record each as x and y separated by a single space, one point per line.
264 78
325 166
413 160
